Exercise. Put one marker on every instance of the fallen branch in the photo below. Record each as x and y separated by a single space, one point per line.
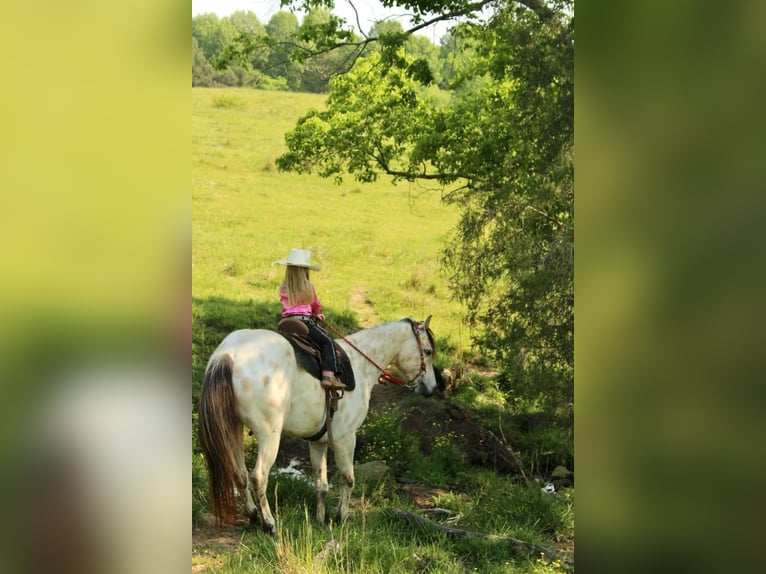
508 446
438 512
515 545
491 450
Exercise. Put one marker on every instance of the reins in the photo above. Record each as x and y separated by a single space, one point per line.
386 376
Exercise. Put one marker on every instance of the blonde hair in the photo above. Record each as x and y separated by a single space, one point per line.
300 291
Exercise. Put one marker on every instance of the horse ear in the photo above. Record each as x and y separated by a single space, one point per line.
427 321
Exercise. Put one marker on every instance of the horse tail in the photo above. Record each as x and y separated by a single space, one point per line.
220 435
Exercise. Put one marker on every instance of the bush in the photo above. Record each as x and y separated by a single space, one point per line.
228 101
543 449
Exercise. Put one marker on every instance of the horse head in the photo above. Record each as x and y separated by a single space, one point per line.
420 361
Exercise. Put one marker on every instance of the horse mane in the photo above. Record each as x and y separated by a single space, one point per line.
432 341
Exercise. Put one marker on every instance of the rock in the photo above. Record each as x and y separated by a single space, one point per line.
373 470
561 473
562 477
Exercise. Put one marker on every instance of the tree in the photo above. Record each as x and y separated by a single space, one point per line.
202 71
424 52
246 24
456 56
502 148
281 31
212 34
390 36
512 260
319 66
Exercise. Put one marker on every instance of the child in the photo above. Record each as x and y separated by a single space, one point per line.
299 301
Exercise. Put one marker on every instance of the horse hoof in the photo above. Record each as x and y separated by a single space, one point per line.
270 529
254 519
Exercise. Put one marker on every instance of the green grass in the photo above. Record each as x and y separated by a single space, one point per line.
373 542
379 247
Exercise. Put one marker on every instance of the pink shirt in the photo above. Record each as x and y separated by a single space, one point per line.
313 308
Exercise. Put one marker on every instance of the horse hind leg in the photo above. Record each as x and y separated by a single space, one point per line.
246 486
318 451
268 445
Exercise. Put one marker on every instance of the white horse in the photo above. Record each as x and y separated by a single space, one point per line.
253 379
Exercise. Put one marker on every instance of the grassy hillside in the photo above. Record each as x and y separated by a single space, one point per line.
378 243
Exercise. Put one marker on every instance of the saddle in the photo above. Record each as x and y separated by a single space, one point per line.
309 355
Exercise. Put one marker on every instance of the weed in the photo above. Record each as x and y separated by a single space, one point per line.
389 442
228 101
231 270
542 565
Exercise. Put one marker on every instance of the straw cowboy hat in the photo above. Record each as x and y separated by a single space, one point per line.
299 258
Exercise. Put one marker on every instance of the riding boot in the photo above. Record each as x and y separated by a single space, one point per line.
332 383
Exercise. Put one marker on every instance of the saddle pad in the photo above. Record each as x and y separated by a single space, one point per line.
309 358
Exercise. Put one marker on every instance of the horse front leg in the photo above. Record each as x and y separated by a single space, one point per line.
344 459
318 452
268 446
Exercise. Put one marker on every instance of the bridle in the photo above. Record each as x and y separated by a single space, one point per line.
418 330
386 376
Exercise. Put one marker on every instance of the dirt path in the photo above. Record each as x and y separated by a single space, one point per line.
362 306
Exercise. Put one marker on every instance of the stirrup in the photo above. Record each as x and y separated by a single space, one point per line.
332 384
334 396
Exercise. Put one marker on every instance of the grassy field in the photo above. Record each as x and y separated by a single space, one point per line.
378 244
379 248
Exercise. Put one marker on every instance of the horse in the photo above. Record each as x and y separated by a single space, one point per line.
253 379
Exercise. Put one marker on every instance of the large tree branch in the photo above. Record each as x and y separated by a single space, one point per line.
538 7
356 15
470 9
412 176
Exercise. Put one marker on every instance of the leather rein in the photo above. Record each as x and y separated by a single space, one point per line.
386 376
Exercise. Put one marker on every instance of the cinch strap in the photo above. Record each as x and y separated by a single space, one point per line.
319 434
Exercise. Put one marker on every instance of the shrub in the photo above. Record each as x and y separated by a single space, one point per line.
228 101
389 442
